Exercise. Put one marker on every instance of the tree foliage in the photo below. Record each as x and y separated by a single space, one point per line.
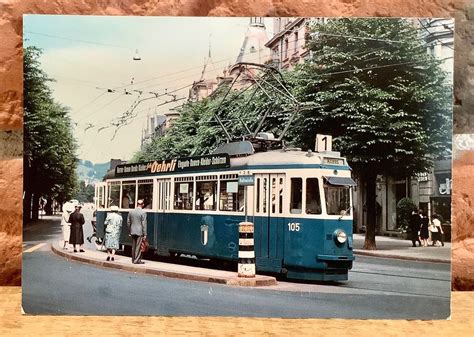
49 153
405 208
197 132
383 98
85 193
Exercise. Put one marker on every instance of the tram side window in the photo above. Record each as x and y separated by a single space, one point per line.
114 195
296 200
128 194
206 195
231 196
145 192
183 195
313 200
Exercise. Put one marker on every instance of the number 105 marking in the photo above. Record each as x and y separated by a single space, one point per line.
294 226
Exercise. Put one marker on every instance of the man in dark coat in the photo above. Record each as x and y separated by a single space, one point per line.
415 224
76 219
137 230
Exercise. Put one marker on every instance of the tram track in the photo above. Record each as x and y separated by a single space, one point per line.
402 276
397 292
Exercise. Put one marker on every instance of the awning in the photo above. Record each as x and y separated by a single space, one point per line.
340 181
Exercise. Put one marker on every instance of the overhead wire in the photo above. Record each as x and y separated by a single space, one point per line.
77 40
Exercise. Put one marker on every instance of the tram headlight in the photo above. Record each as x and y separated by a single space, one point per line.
340 236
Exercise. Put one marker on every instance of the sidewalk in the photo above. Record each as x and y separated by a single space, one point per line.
402 249
164 269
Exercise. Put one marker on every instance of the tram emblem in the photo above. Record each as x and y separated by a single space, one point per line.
204 234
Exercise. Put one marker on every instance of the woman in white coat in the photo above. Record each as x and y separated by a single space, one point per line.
65 226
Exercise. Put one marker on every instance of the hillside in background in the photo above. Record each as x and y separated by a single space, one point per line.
91 173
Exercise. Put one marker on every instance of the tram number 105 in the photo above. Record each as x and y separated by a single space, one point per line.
294 226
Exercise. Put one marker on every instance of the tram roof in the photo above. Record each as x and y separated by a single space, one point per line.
274 159
286 158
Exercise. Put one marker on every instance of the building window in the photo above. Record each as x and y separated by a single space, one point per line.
296 43
286 49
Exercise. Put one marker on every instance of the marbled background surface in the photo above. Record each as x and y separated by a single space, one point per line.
11 134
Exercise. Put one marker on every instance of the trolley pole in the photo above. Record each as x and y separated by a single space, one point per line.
246 263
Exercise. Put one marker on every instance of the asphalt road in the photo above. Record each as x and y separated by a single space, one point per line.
377 288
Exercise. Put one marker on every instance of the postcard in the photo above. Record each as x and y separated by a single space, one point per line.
295 167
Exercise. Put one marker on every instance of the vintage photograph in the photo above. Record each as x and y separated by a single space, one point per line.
296 167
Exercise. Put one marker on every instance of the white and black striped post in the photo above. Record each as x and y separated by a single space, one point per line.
246 264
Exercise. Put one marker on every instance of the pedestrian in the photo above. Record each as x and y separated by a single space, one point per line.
94 227
436 231
424 233
415 224
65 225
136 223
113 229
76 219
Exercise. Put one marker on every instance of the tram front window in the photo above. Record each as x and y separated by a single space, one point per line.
337 199
313 201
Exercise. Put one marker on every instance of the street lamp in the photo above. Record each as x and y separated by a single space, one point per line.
137 56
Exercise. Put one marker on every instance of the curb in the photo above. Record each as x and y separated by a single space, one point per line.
258 281
400 257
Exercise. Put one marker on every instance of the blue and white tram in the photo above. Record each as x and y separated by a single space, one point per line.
300 204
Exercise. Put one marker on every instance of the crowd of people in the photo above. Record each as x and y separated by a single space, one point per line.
421 229
72 221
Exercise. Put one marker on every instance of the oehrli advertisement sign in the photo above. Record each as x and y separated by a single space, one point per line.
208 162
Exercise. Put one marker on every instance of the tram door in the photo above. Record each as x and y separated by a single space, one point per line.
100 195
163 208
269 221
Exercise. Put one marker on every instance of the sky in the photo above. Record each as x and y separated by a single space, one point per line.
91 59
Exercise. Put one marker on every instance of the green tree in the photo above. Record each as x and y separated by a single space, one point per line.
405 208
197 132
49 154
379 94
85 193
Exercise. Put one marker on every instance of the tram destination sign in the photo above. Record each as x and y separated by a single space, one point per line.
246 180
208 162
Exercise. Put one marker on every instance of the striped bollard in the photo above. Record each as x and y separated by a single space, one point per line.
246 265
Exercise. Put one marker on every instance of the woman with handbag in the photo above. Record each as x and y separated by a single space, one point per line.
113 229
